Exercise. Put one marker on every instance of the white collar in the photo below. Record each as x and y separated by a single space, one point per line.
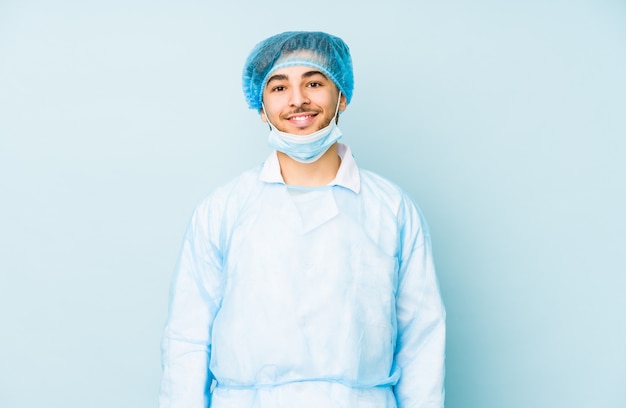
347 175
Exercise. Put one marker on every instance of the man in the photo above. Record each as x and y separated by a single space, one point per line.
304 282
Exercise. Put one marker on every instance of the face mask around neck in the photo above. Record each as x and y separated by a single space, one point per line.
308 148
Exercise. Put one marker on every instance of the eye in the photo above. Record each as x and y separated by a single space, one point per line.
278 88
314 84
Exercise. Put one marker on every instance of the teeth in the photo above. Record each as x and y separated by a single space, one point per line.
301 117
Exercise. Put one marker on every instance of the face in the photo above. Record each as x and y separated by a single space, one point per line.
300 100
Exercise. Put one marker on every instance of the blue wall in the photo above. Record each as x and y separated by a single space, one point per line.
504 120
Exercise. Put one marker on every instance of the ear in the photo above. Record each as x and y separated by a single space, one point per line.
263 115
343 103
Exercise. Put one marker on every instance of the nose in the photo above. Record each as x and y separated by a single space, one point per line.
298 97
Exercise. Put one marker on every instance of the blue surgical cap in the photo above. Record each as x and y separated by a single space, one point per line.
320 50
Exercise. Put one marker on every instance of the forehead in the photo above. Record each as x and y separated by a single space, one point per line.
295 72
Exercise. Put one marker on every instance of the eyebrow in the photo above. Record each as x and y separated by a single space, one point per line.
282 77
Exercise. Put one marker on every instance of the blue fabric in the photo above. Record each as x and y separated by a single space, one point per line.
319 50
305 298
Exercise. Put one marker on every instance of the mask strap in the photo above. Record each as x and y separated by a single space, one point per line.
338 103
337 108
269 124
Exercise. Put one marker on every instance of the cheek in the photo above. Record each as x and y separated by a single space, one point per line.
274 104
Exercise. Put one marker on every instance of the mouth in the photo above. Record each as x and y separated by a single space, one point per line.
301 119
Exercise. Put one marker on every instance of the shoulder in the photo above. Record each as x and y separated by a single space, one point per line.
395 198
373 184
232 194
214 216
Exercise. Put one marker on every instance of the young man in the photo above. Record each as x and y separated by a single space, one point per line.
305 282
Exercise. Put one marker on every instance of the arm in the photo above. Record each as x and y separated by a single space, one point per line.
420 347
194 300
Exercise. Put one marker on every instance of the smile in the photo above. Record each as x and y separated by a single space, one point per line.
301 118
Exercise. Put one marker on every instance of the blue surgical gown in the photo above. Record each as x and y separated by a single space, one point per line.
295 297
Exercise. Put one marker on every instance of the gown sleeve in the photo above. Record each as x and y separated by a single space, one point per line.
194 301
420 346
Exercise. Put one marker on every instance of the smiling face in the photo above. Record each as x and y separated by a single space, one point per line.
300 100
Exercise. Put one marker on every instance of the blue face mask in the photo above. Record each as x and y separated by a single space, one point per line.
309 148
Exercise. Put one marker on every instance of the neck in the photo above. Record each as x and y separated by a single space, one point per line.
316 174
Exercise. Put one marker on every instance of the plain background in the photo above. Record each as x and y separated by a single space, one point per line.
505 120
